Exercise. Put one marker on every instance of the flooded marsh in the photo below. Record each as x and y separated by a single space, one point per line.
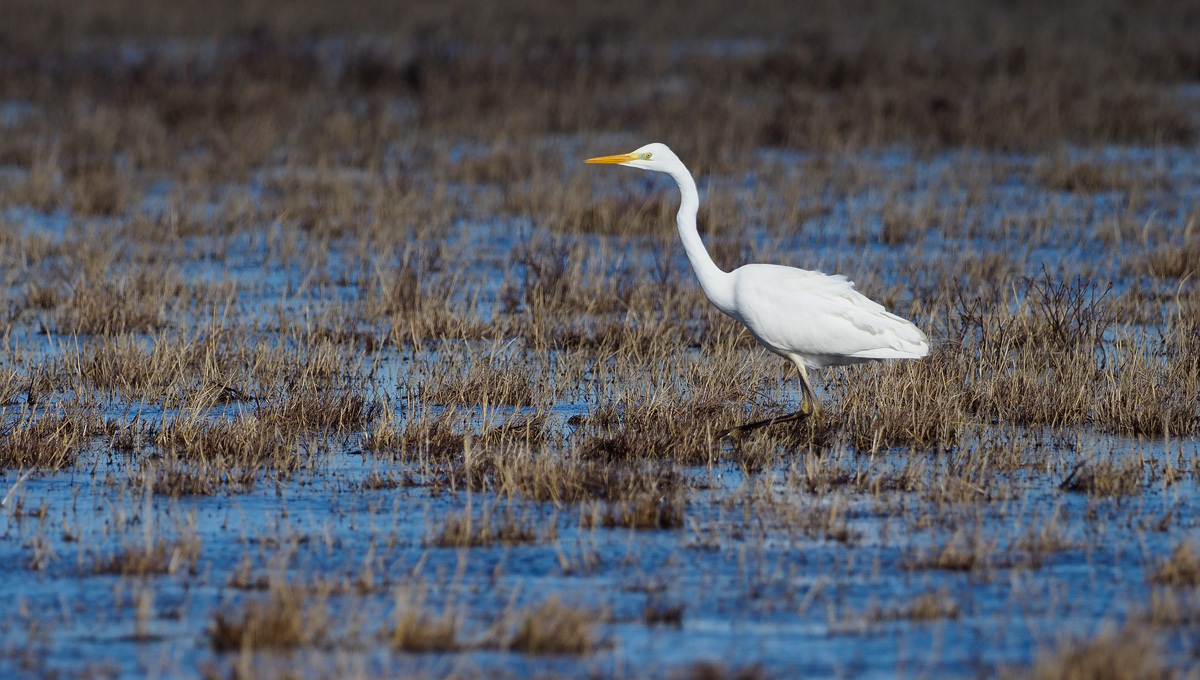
324 354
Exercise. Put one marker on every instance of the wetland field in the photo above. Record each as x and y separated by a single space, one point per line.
323 354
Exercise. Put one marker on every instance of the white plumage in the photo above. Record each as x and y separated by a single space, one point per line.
819 317
810 318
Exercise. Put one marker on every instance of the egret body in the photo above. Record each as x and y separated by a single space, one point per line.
812 319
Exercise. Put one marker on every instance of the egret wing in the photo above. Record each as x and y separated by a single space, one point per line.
821 317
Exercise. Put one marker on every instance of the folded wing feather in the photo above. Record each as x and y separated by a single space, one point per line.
821 317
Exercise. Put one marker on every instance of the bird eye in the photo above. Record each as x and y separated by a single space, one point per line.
646 156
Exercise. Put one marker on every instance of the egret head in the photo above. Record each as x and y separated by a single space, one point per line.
656 156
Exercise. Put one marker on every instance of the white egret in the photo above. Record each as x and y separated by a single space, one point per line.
812 319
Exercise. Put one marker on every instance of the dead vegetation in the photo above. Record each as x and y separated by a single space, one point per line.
1172 607
1118 654
173 477
417 630
159 557
931 606
489 382
1105 478
240 248
964 551
554 627
642 511
288 617
296 616
1181 569
488 527
1173 261
50 441
713 671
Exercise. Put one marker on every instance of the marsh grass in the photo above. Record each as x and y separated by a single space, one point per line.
930 606
1173 607
288 617
417 630
1060 173
642 511
1119 654
712 671
173 477
1105 478
488 527
965 551
160 557
113 303
231 443
1173 261
554 627
489 381
50 441
232 259
1181 569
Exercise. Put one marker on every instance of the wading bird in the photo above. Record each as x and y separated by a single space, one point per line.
812 319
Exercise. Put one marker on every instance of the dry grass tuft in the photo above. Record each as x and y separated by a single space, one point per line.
488 527
929 606
1173 607
1092 177
111 303
642 511
419 632
489 381
706 670
241 442
964 551
1128 654
1105 478
416 630
545 477
289 617
176 478
160 557
1171 261
312 408
555 628
50 441
1181 569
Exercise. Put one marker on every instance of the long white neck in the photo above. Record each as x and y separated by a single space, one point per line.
715 282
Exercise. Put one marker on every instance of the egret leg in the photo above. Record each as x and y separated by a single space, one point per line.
809 407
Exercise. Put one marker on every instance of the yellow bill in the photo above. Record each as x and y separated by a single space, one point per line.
609 160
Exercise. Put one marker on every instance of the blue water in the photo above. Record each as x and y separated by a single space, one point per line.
755 589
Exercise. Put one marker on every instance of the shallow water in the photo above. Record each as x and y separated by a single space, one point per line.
795 604
753 590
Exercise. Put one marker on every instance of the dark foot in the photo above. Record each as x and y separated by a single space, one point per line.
742 430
